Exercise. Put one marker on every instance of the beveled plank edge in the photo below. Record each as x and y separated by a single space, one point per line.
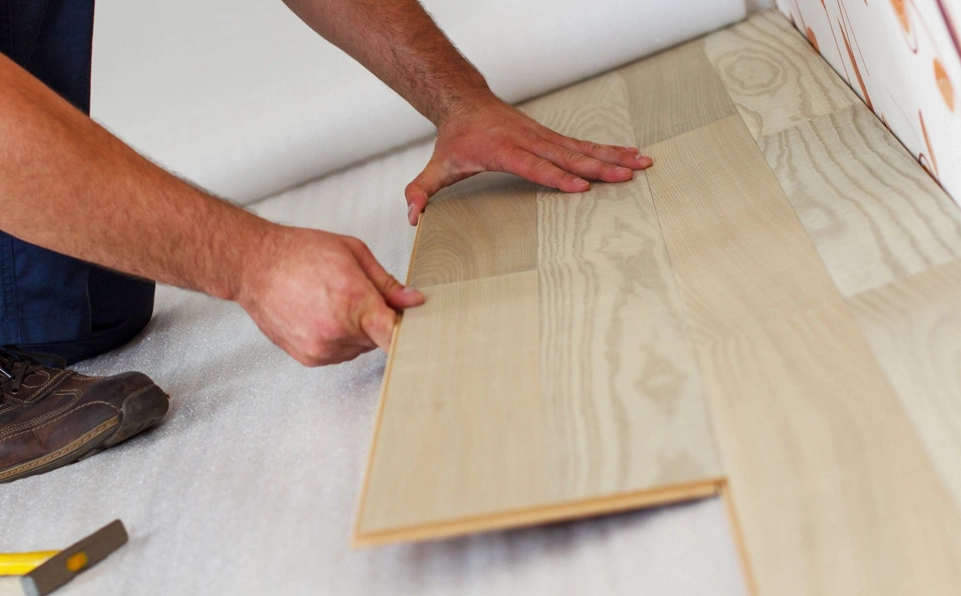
737 533
564 511
382 399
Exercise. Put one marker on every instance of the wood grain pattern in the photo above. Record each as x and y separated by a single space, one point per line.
577 394
914 329
776 79
460 434
828 475
724 230
479 227
674 92
834 493
873 213
624 407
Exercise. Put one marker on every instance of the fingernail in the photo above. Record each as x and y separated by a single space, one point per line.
644 160
410 209
581 183
633 150
622 171
414 293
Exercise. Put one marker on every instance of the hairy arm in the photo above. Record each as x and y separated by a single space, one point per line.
69 185
399 42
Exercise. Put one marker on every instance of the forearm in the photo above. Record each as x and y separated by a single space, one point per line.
69 185
399 42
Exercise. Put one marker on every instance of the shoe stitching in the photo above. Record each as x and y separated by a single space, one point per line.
73 446
64 415
58 378
41 371
39 392
29 423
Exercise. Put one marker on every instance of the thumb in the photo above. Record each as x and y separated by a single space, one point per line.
428 182
394 292
378 324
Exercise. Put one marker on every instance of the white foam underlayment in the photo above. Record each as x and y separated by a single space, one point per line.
242 98
251 483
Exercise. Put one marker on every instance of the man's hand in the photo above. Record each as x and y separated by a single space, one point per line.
498 137
322 297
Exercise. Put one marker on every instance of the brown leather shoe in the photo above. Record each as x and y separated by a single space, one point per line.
51 417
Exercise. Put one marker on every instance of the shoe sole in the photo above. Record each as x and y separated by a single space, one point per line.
140 411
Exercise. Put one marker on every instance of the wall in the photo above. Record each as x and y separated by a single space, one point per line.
903 58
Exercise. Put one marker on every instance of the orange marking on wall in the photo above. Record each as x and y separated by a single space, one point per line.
944 84
933 170
857 71
902 12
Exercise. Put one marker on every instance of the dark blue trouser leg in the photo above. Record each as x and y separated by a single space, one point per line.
50 302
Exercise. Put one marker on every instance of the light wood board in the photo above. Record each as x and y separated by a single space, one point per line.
874 215
674 92
914 328
601 403
461 436
774 77
493 232
622 393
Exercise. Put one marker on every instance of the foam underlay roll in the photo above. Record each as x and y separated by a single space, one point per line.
243 99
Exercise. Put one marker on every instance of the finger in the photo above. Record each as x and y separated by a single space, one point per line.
582 165
628 157
436 175
378 323
417 193
394 292
539 170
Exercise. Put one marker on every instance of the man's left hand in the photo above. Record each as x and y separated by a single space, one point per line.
499 137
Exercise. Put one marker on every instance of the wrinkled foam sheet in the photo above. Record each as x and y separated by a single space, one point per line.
250 485
245 100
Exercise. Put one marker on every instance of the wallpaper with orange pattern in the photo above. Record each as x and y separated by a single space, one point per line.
903 58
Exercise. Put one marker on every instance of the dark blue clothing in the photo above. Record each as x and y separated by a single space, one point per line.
49 302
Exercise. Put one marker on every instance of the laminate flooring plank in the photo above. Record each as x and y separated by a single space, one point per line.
559 392
834 492
874 214
624 406
673 92
728 232
460 431
914 328
830 481
776 79
479 227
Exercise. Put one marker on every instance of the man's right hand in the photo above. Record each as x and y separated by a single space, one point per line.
322 297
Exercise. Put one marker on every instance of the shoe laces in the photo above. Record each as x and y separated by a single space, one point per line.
16 364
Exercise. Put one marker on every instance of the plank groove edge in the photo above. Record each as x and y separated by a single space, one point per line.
664 495
737 533
382 398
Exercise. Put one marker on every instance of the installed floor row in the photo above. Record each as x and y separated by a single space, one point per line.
769 312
